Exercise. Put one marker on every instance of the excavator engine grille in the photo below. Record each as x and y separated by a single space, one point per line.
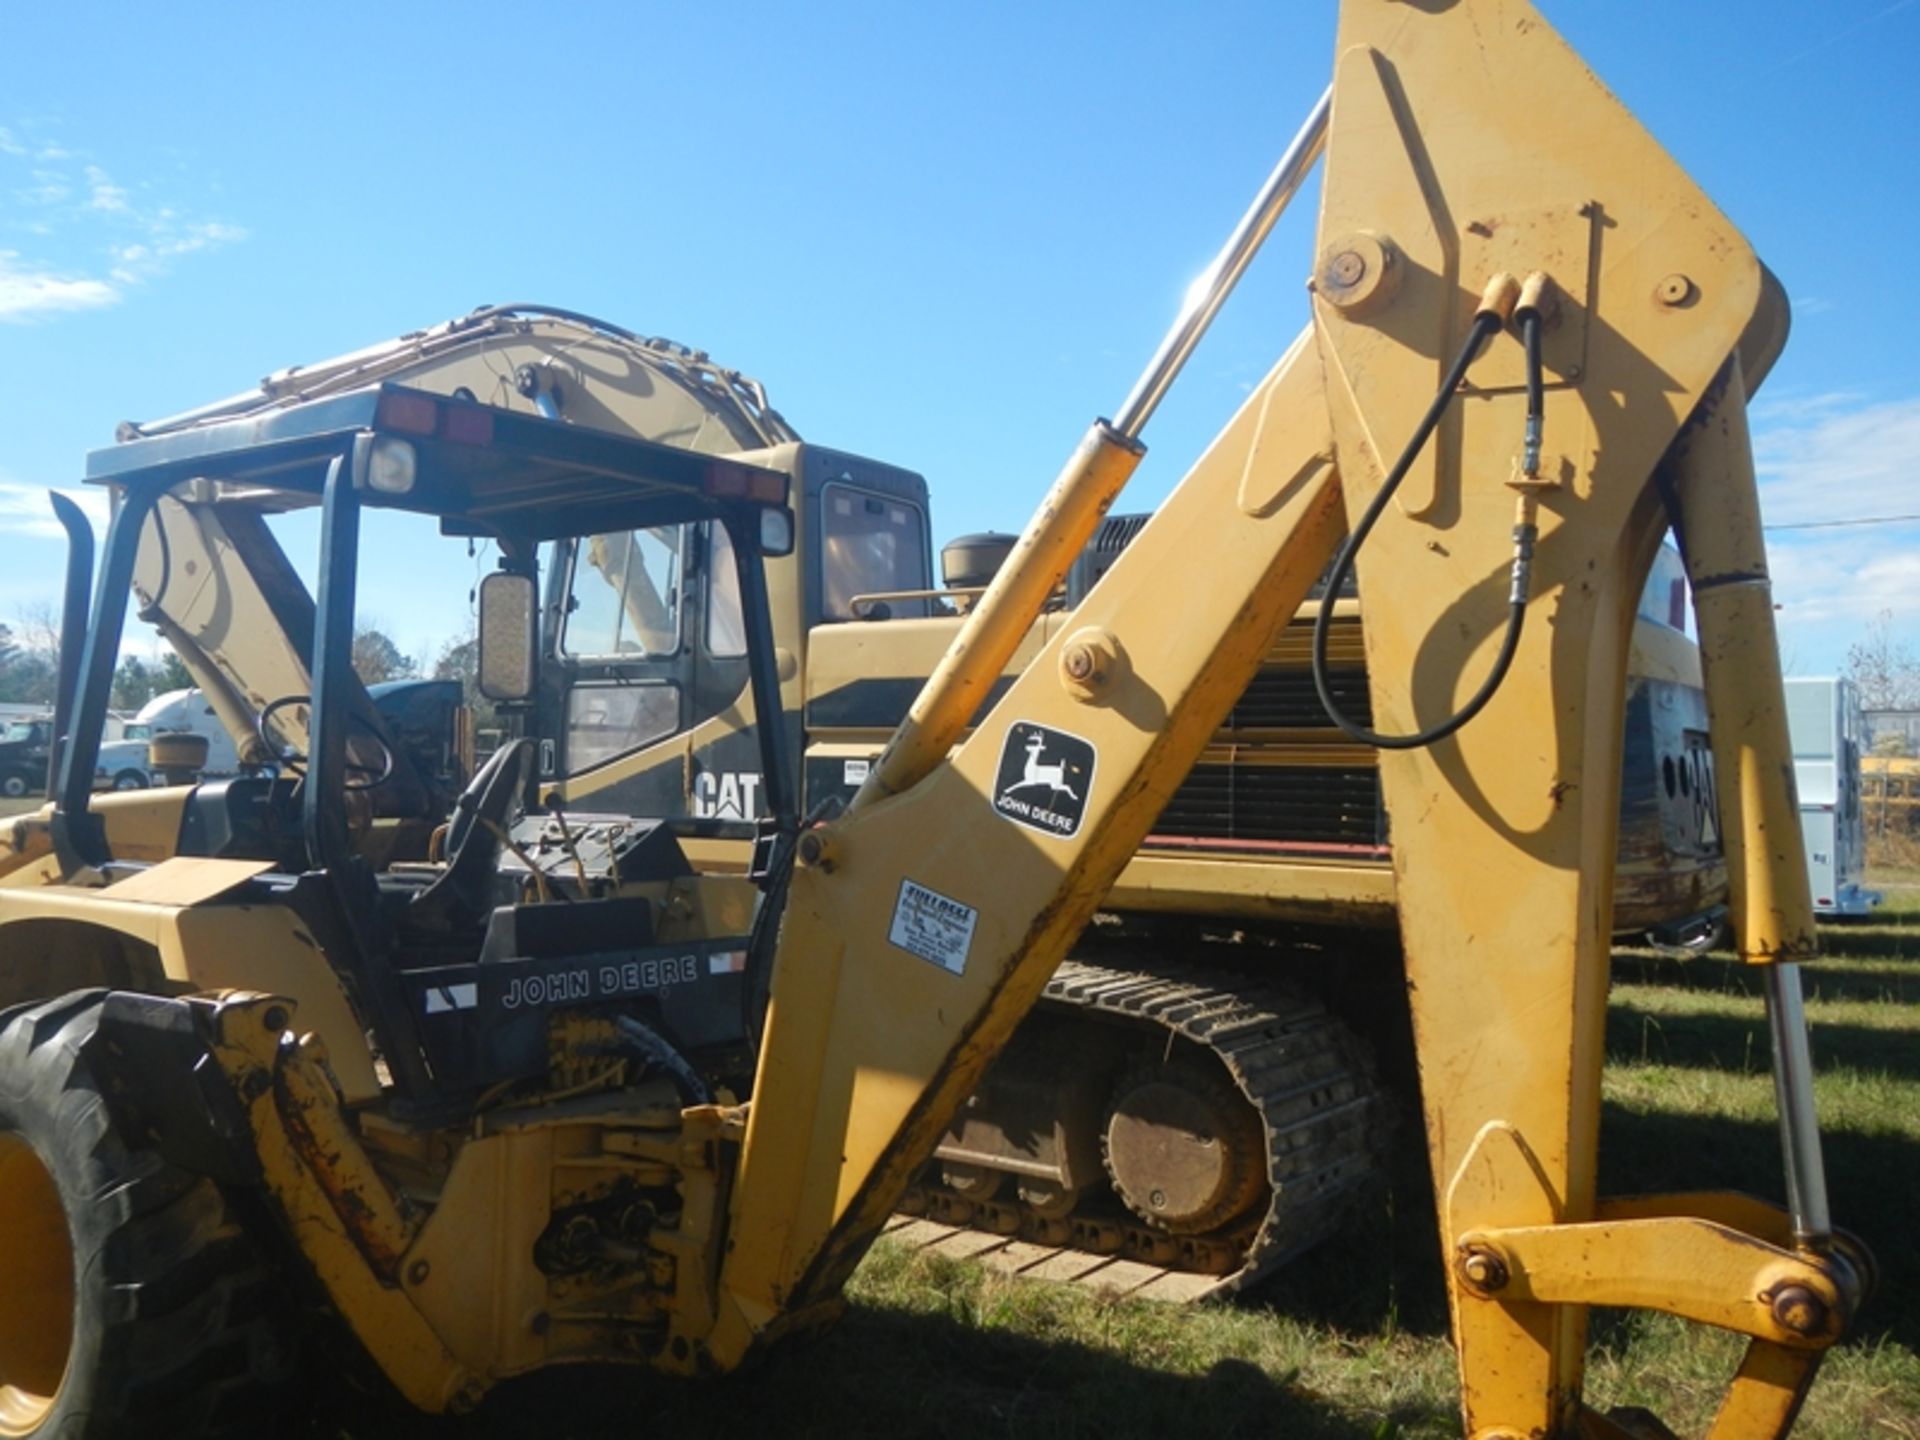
1293 805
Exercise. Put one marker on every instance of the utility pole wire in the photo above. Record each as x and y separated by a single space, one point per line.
1836 524
1832 39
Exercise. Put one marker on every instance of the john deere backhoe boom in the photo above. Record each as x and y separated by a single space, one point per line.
1488 204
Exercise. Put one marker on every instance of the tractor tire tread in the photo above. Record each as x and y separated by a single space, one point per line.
177 1326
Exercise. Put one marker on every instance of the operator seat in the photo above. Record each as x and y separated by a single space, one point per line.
461 896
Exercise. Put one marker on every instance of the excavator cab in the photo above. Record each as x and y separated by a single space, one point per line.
459 956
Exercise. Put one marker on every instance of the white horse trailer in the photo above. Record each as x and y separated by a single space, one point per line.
1823 717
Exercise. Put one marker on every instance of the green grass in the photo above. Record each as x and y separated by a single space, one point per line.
1690 1101
1351 1341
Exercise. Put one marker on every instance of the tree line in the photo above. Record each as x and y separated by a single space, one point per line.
30 664
1886 672
1882 666
30 667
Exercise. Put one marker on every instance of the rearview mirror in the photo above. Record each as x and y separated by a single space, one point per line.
506 636
776 531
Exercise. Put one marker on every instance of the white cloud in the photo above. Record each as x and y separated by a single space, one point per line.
166 242
95 238
102 193
1831 585
201 235
1775 410
28 292
25 510
1837 457
1839 575
49 187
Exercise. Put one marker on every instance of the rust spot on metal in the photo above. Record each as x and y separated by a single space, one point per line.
1798 1309
356 1212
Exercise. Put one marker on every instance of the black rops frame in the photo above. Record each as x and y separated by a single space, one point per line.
322 448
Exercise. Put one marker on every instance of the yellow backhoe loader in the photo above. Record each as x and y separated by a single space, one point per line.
1118 1140
462 1071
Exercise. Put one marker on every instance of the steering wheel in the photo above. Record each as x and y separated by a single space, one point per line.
296 763
462 893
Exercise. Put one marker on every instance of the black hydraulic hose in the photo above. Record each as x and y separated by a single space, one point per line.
653 1048
1528 319
1485 324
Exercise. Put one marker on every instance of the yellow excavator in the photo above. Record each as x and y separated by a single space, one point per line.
459 1073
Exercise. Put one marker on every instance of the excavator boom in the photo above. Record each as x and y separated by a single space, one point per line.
214 582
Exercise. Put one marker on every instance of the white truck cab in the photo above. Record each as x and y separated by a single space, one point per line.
123 763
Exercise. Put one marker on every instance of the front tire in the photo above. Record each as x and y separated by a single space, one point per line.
131 1301
14 784
130 780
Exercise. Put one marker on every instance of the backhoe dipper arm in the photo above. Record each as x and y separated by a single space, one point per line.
1474 168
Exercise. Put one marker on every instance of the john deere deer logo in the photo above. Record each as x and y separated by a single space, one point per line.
1044 779
1036 774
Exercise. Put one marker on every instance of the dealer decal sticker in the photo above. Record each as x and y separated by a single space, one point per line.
933 926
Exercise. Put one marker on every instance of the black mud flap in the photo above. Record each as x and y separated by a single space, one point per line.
165 1090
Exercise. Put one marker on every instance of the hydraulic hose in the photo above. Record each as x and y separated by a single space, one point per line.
1486 323
656 1051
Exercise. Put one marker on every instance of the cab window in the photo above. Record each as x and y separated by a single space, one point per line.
869 544
624 594
608 720
726 619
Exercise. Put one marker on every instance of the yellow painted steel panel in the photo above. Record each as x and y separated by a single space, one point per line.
185 880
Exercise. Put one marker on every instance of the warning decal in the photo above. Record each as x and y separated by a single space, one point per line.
1044 779
928 924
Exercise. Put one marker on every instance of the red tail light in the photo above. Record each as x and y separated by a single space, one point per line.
468 425
728 481
415 414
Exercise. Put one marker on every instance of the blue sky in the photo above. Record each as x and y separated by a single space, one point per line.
943 236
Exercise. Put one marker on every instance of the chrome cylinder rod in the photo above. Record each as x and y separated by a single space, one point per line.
1793 1093
1065 521
1206 295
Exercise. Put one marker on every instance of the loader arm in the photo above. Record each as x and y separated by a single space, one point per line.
1466 143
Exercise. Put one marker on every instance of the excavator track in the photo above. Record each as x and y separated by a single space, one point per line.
1305 1078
